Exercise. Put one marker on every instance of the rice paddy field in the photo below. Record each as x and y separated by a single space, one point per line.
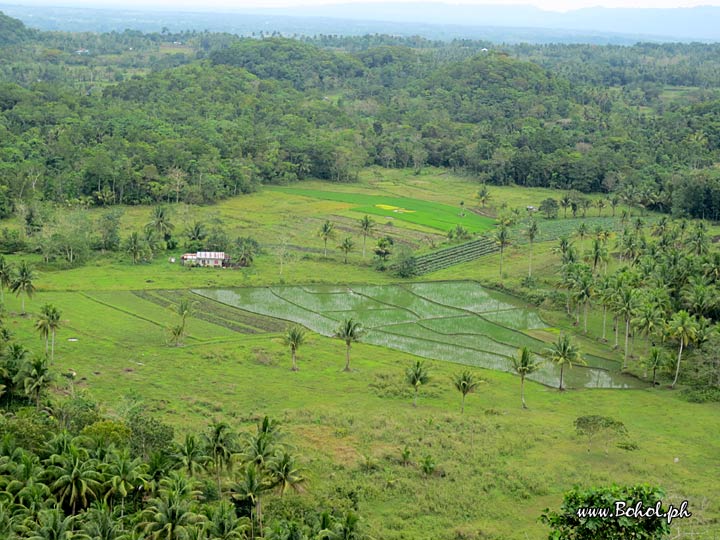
459 322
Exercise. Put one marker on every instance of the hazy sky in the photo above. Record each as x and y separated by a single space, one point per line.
555 5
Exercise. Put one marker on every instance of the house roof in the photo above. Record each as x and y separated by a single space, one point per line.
210 255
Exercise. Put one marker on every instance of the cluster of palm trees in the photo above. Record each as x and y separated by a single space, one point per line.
18 280
47 324
23 377
666 288
79 487
327 232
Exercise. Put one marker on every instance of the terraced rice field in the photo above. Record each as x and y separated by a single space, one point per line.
459 322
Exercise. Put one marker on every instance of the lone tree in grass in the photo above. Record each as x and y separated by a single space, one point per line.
466 384
326 232
160 223
483 195
502 239
417 375
531 233
22 283
367 224
294 338
349 331
564 353
135 246
6 277
524 365
346 247
178 331
684 329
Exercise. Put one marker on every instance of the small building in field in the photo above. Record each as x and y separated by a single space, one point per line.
216 259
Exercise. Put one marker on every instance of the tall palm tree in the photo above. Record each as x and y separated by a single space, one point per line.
160 222
124 476
683 328
190 454
531 233
36 377
76 479
465 383
284 472
294 338
135 246
250 487
584 285
565 203
223 524
502 239
220 445
350 332
42 325
346 247
625 306
100 523
367 224
22 283
600 204
7 272
326 232
168 517
483 195
655 360
563 353
417 375
524 365
54 321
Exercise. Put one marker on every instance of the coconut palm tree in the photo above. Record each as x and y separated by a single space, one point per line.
524 365
326 232
190 454
76 479
655 360
135 247
465 383
22 283
160 222
100 523
124 476
220 445
367 224
565 203
294 338
502 239
52 524
346 247
483 195
168 517
683 328
251 485
42 325
625 306
7 272
222 522
531 233
350 332
36 377
284 472
584 286
563 353
417 375
600 204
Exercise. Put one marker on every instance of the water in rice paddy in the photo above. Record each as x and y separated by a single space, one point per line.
459 322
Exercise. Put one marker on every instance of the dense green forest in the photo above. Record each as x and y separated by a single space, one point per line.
133 118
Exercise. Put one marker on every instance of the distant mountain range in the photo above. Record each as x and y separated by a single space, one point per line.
496 23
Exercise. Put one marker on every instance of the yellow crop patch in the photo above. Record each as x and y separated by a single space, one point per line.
394 208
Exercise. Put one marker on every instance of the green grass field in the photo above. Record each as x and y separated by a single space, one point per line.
429 214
